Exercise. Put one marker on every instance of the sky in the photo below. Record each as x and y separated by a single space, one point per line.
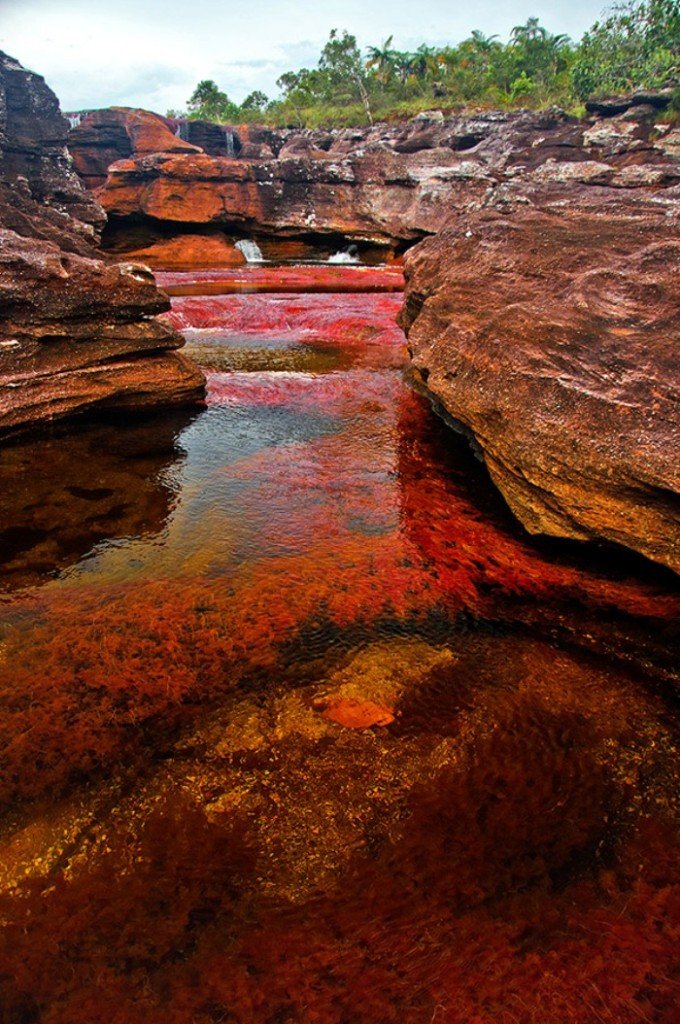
152 53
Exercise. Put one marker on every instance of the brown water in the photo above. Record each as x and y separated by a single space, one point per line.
298 726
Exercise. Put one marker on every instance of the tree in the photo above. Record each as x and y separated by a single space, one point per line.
255 101
208 103
381 60
341 61
529 33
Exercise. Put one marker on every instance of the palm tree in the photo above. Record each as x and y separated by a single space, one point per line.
404 66
382 59
481 42
529 33
426 61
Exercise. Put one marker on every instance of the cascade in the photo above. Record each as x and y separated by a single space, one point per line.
250 250
231 148
348 255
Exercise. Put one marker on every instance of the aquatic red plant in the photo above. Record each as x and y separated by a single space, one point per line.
333 278
494 844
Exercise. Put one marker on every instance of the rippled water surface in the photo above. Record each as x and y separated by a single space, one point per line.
298 726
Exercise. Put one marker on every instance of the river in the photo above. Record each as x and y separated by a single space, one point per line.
298 725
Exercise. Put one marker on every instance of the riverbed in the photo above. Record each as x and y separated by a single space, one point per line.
299 725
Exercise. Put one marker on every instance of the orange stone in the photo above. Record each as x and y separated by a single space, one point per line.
188 251
357 714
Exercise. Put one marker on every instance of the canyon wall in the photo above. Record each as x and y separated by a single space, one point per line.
385 186
75 332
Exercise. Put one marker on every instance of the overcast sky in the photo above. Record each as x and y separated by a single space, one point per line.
151 53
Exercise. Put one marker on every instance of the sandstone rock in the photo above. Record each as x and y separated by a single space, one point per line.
388 184
357 714
382 184
75 332
615 105
186 251
213 139
365 692
103 136
40 196
544 324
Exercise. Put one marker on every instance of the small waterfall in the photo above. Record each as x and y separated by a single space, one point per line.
348 255
250 250
182 131
231 147
74 119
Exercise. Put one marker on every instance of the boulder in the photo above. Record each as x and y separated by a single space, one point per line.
187 251
545 322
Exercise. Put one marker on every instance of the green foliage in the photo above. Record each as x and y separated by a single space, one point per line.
636 46
208 103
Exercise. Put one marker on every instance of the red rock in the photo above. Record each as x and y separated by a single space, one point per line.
183 251
102 137
544 324
388 184
75 332
353 713
359 184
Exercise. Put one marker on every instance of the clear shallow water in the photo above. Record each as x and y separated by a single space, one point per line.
297 725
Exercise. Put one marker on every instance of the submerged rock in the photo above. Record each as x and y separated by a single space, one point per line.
75 332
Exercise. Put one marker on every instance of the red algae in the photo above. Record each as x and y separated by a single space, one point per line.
346 318
329 737
307 279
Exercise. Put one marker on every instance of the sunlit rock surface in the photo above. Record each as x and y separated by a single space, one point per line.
388 184
75 333
546 321
99 138
184 251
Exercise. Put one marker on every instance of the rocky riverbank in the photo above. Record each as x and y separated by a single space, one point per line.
539 307
76 332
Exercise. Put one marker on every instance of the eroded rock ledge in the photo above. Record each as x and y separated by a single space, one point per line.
545 319
75 332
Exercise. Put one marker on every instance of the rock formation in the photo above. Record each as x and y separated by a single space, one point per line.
98 138
383 185
545 320
75 332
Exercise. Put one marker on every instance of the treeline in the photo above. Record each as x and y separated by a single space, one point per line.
636 46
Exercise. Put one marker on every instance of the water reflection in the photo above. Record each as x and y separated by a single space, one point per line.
64 493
